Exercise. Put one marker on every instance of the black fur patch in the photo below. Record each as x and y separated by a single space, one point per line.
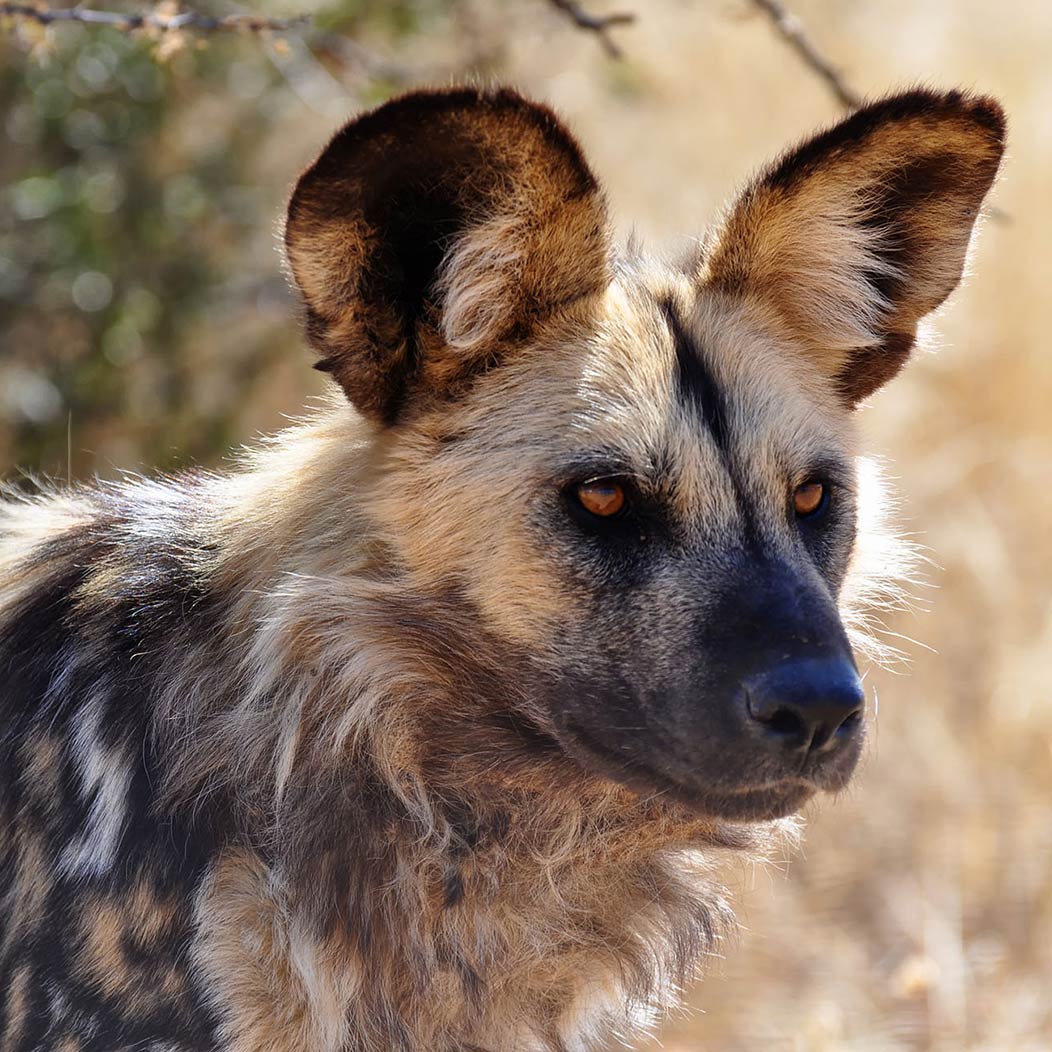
696 387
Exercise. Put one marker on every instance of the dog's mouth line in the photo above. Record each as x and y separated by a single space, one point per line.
631 769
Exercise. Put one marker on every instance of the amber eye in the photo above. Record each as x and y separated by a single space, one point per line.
809 498
602 497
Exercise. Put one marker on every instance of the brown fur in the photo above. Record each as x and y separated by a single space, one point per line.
496 162
377 742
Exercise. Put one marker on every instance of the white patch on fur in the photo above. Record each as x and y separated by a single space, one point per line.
26 523
587 1021
104 776
58 1002
246 935
884 571
328 990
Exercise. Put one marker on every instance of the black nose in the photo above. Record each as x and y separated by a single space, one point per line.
807 704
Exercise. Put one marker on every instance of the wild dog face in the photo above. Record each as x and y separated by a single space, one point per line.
639 479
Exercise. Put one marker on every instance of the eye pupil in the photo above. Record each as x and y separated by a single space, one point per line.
809 498
602 498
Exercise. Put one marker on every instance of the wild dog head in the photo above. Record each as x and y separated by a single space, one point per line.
640 479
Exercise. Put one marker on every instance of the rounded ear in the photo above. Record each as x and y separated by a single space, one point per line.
434 232
851 238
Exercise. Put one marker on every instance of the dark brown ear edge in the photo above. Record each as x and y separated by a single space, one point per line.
870 368
981 111
386 119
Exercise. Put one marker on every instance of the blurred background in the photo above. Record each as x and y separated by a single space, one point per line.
145 324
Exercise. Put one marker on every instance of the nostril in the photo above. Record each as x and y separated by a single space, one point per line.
850 722
781 721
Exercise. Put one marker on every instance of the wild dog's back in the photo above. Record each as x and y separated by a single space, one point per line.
96 593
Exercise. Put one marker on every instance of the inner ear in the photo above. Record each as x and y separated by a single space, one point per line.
433 230
851 238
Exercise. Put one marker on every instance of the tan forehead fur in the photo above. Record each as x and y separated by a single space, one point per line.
600 382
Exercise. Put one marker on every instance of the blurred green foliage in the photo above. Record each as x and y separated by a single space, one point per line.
137 237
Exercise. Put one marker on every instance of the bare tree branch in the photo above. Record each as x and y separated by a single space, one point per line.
792 32
158 20
598 24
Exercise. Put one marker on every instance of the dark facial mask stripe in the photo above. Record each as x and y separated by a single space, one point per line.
695 385
696 388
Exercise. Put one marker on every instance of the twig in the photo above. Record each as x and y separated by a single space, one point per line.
350 55
598 24
156 20
792 32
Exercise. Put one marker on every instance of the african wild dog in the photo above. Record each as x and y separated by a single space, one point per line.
421 731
